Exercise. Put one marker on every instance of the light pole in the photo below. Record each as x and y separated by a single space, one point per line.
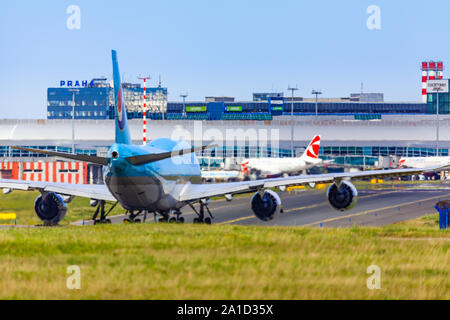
184 103
292 119
437 123
316 92
437 86
73 118
436 89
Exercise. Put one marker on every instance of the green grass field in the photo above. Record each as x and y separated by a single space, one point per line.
167 261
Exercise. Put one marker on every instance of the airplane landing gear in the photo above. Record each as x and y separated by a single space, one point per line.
201 214
177 218
206 220
132 218
101 209
164 218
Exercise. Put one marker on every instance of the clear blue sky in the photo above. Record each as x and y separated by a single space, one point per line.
208 47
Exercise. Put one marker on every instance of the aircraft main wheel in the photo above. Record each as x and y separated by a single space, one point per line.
172 220
126 220
108 221
196 220
137 221
208 220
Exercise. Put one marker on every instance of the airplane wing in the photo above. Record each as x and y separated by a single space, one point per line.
201 191
93 191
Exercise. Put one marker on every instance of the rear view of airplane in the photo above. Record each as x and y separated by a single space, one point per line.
264 167
164 176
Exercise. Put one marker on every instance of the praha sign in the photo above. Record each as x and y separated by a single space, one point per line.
76 83
437 86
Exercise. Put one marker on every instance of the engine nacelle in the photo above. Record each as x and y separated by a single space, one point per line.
266 207
342 198
50 208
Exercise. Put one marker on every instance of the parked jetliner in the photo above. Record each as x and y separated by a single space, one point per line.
424 162
264 167
163 176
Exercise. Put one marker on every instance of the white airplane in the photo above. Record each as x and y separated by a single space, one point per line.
265 167
163 176
223 175
424 162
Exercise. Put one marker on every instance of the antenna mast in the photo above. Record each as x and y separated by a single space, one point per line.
144 112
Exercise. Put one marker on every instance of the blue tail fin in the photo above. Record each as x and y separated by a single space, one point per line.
122 132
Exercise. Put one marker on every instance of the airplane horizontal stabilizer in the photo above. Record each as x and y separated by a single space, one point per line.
77 157
147 158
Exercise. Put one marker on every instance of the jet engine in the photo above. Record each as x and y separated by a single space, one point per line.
50 208
342 198
267 206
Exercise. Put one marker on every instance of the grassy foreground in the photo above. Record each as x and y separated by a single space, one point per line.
165 261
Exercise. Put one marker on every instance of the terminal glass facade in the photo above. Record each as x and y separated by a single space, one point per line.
90 103
97 102
8 152
264 110
444 103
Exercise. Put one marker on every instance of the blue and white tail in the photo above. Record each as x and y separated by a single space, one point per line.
122 132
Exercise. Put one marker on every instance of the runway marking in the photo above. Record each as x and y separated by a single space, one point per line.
228 206
231 205
235 220
371 211
299 208
324 203
305 207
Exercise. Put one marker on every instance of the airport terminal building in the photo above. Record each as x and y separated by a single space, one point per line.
97 103
94 100
353 140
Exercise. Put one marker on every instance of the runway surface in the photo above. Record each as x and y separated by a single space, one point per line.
311 208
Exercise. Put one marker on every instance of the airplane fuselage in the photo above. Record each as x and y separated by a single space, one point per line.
424 162
153 186
279 165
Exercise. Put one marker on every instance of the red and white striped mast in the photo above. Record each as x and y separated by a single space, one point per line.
432 68
144 112
440 68
424 81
